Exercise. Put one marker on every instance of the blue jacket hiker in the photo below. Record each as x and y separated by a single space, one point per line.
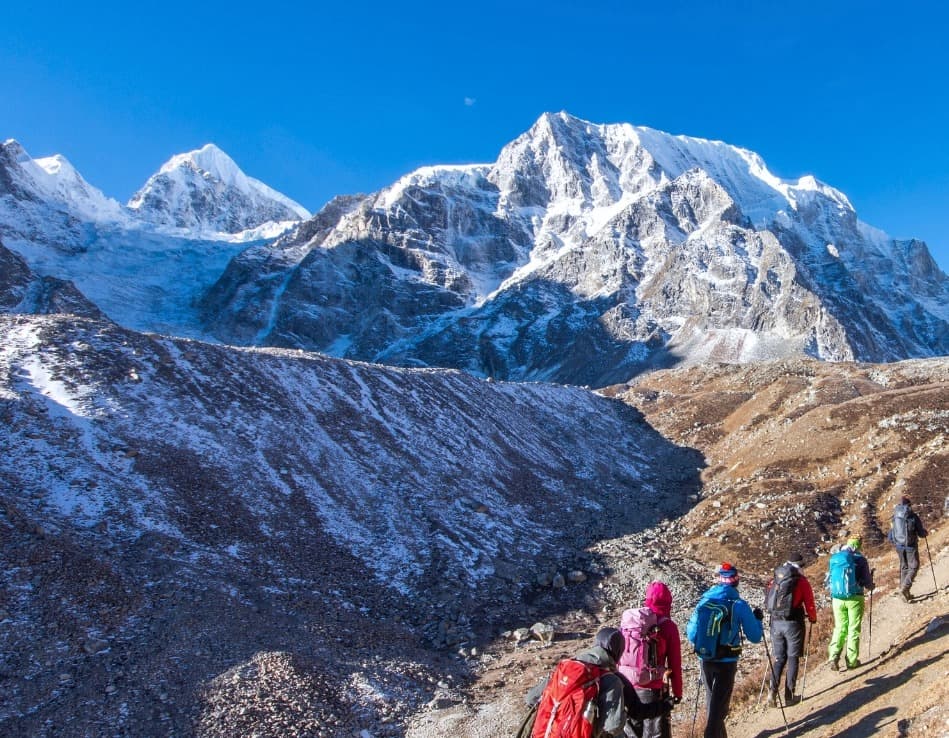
715 631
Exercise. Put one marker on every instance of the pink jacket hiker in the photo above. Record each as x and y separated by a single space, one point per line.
669 652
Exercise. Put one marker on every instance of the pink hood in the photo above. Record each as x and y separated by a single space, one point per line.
658 599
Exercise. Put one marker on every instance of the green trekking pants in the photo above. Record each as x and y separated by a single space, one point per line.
848 620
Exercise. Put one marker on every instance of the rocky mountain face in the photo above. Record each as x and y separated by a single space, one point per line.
205 191
585 254
178 515
145 266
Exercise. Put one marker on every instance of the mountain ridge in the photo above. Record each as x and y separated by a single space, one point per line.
651 254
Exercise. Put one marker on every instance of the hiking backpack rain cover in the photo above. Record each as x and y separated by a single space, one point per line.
843 575
567 708
781 592
901 533
639 661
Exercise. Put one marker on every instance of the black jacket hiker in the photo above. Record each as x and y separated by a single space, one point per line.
905 533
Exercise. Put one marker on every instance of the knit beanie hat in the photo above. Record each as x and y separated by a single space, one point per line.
612 641
727 574
796 560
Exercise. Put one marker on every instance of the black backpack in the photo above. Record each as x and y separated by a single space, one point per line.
781 593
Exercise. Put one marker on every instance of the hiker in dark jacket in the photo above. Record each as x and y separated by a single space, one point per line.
718 671
905 533
788 628
616 700
848 608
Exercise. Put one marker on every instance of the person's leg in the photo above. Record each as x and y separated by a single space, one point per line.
905 581
780 652
912 566
720 679
839 635
652 728
855 618
795 641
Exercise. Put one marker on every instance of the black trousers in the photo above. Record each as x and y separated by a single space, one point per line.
719 680
909 565
658 727
787 638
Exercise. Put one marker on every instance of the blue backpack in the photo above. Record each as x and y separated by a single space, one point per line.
713 622
843 575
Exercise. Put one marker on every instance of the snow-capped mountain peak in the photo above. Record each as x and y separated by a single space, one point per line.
211 161
55 180
205 190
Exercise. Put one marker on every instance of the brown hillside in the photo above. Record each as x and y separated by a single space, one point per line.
797 456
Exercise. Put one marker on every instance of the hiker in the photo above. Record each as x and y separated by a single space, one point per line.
905 533
607 706
848 578
789 600
653 653
715 630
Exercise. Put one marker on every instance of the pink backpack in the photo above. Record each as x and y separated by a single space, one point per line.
639 662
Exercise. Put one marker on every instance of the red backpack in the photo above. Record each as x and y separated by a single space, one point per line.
639 662
567 708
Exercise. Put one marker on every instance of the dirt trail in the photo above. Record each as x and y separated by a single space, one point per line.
901 689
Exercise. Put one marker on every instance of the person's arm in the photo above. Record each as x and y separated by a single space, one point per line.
749 623
674 657
807 598
692 625
613 704
862 573
533 696
920 530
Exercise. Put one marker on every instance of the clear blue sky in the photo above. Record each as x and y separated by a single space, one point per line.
327 98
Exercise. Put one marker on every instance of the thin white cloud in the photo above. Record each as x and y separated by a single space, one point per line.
469 101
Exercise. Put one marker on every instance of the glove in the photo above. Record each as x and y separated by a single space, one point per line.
677 700
667 704
758 614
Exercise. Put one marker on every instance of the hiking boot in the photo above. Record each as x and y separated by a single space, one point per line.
906 595
854 665
834 663
790 698
772 699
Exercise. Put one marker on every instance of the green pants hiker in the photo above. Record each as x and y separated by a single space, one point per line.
848 620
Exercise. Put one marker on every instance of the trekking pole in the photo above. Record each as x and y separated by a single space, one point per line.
698 684
870 628
807 652
764 677
931 567
780 701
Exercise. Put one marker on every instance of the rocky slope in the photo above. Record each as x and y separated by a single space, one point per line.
796 456
201 539
585 254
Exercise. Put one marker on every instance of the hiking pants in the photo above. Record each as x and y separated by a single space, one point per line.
787 639
719 680
909 565
848 620
659 727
